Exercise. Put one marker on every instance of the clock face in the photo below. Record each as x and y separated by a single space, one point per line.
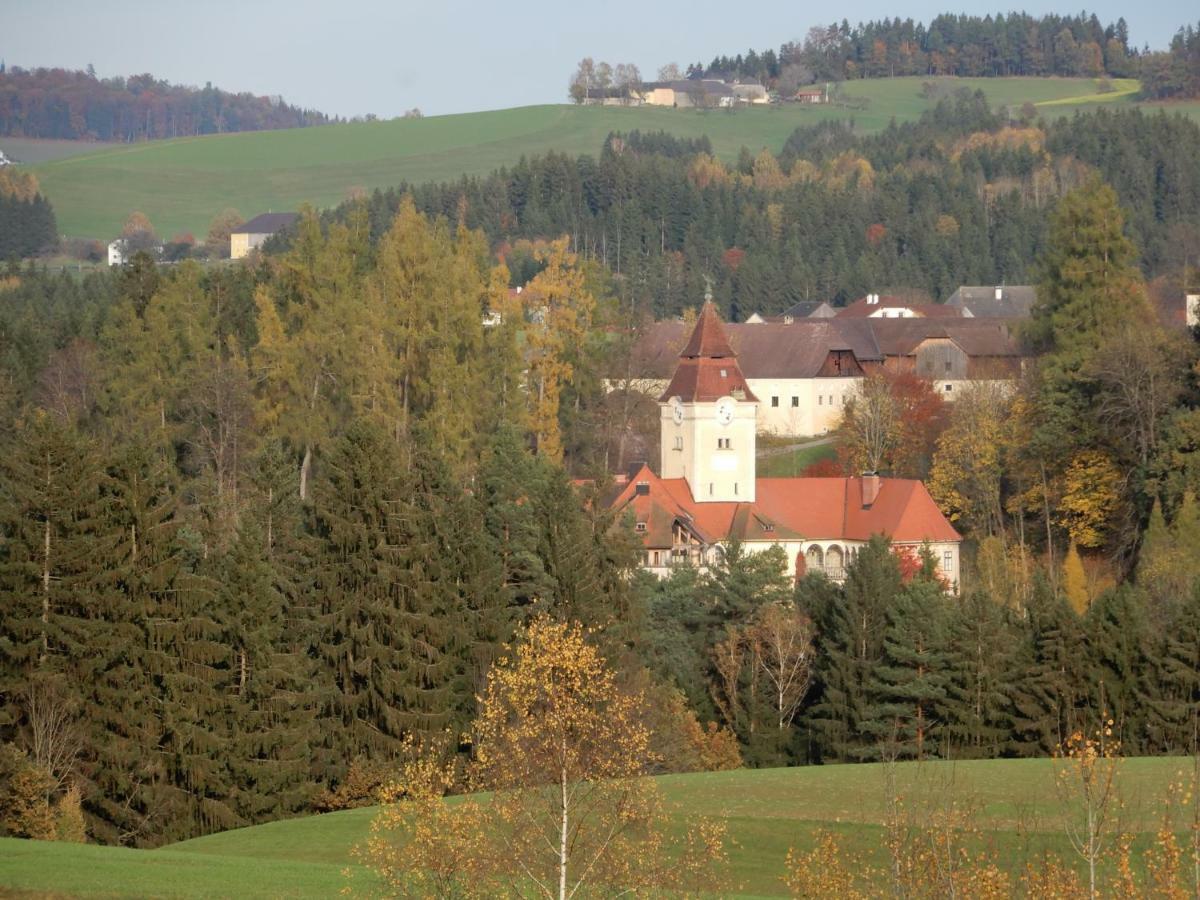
725 410
677 410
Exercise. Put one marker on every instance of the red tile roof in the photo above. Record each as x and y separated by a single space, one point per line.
707 369
789 509
708 337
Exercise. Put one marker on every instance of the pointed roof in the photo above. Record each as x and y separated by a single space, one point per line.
708 337
708 368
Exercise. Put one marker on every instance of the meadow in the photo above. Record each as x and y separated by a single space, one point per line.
767 811
182 184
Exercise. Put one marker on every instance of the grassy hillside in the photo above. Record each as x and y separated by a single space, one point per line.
767 811
182 184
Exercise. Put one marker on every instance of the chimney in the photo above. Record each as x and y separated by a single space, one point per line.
870 488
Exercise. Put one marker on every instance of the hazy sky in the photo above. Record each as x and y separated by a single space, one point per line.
358 56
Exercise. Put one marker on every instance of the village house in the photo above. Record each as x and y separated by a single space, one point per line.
876 306
254 233
995 302
804 371
708 493
812 94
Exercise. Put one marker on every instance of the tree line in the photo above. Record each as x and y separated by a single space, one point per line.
77 105
950 44
1174 74
960 197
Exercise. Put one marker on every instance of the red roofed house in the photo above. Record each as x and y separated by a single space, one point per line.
708 492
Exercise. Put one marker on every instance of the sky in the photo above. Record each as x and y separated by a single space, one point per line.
352 57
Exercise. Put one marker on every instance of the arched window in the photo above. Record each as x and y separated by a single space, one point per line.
815 558
835 562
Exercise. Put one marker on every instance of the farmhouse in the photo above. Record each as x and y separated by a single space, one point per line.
255 232
875 306
804 370
708 493
998 302
811 94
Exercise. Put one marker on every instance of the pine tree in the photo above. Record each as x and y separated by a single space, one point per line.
1170 683
1050 698
270 716
908 688
359 507
850 646
1117 634
981 649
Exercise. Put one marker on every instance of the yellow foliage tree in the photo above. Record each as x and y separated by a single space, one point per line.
1091 494
560 308
1074 581
562 751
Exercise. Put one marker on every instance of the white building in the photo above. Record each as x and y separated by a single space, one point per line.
708 492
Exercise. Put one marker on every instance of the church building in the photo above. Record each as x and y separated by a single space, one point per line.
708 493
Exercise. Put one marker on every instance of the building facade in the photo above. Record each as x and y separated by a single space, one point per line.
708 493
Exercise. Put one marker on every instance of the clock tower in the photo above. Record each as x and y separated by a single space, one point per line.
709 418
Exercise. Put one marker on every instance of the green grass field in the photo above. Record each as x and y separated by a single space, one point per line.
766 811
181 184
792 463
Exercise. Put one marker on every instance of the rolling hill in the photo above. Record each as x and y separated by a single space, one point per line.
766 811
181 184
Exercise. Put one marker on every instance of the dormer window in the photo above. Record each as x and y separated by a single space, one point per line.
642 488
724 373
640 527
767 526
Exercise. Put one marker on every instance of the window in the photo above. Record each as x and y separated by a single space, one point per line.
820 400
948 561
678 442
795 402
710 488
735 489
656 558
831 399
723 443
641 526
947 365
774 401
724 373
949 388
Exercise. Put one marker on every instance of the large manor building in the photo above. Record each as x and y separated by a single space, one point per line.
708 492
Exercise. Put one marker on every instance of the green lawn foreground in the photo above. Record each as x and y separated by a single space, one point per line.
767 811
182 184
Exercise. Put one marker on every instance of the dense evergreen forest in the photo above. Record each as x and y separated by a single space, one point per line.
73 105
960 197
965 45
261 524
27 223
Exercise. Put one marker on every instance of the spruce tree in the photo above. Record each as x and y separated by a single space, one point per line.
850 645
908 688
1051 696
981 650
1170 683
1117 634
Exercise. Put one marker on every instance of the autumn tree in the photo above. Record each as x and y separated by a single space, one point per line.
560 307
969 463
219 230
563 751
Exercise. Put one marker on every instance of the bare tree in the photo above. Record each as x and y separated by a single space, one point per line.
1141 371
783 636
870 425
583 81
670 72
54 741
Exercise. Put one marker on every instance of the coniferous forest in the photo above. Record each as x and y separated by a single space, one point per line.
960 197
262 524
